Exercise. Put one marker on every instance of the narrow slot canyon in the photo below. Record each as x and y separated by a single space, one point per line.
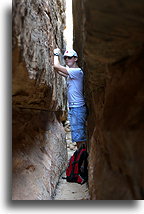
109 39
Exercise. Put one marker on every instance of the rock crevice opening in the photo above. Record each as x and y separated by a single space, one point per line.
109 40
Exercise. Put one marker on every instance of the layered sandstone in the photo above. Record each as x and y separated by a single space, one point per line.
39 99
109 38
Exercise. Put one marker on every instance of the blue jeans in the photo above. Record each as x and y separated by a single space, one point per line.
77 118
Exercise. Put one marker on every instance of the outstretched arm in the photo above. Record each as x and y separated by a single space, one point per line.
59 68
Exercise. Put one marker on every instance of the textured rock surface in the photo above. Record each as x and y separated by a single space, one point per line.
39 145
112 51
37 30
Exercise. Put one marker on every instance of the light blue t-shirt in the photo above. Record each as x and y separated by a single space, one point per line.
75 87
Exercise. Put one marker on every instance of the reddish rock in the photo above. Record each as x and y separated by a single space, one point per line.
109 39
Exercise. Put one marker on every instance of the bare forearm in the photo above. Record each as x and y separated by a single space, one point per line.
57 66
56 61
60 69
62 74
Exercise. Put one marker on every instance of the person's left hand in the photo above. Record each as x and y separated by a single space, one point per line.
57 51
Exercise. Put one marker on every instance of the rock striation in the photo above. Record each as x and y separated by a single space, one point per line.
109 38
39 99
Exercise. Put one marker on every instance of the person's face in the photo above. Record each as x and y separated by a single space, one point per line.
70 60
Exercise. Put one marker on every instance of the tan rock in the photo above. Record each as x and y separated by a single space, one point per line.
39 99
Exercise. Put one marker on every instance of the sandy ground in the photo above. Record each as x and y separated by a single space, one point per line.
71 191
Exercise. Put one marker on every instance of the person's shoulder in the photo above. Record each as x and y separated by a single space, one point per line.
80 70
75 72
76 69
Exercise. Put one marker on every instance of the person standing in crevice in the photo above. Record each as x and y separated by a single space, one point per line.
77 107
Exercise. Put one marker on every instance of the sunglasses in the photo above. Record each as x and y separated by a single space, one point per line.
69 57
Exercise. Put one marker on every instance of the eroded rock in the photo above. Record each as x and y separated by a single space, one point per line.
39 99
109 38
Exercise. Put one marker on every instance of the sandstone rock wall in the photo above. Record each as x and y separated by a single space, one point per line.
39 99
111 50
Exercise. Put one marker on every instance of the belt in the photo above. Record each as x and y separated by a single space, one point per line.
75 107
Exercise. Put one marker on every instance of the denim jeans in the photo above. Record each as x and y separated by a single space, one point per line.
77 117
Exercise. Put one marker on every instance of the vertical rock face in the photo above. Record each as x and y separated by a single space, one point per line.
39 100
111 53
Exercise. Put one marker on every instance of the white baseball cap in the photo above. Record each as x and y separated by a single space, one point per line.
70 52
